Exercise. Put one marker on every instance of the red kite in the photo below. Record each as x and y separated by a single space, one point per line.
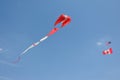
63 19
108 51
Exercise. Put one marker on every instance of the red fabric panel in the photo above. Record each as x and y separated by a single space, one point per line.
66 21
53 31
59 20
108 51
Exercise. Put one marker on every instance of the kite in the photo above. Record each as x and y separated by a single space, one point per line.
108 43
63 19
108 51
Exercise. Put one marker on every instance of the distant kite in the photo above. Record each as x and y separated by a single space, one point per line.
108 43
63 19
108 51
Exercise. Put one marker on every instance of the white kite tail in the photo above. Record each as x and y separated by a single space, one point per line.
33 45
30 47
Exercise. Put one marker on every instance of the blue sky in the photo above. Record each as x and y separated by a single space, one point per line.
70 54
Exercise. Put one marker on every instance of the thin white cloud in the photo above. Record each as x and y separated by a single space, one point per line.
99 43
1 49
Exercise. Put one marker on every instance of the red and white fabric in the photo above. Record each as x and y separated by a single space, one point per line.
108 51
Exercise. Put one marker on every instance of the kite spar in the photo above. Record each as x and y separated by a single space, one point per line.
63 19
